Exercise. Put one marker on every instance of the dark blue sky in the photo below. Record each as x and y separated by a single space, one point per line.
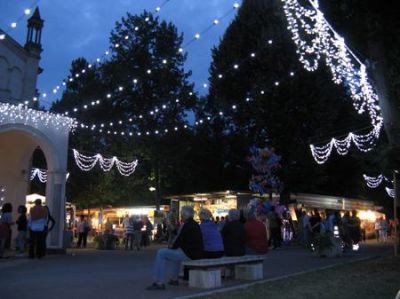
80 28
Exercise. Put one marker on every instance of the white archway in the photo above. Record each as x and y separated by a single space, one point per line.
22 130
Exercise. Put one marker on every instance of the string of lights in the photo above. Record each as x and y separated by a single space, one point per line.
87 163
13 25
110 128
315 39
106 53
119 91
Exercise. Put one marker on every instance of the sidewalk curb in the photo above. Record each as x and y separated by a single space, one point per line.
247 285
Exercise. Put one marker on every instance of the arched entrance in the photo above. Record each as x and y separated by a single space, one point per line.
17 144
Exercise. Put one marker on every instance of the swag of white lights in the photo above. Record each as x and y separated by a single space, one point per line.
86 163
390 192
315 39
374 182
40 174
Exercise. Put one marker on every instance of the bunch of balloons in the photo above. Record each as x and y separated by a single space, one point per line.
265 164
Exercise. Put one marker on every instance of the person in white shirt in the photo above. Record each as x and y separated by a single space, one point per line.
383 226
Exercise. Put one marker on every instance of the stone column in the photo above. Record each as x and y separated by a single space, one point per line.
55 197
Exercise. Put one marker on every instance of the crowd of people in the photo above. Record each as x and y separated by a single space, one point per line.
32 229
347 227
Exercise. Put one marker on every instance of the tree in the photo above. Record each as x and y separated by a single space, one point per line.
149 92
266 104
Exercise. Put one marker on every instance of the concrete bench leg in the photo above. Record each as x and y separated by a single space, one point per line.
249 271
205 279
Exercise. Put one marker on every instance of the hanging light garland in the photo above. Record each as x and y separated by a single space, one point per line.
315 39
40 174
110 128
390 192
86 163
38 119
374 182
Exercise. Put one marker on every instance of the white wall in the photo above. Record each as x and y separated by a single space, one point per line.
18 71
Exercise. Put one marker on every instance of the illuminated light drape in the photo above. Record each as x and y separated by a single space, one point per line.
315 39
21 114
86 163
390 192
40 174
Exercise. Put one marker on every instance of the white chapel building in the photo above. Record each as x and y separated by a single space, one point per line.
24 129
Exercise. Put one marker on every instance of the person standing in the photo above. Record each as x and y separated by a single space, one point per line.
83 230
275 227
377 228
129 234
314 226
37 228
306 228
22 227
5 227
7 218
137 232
146 234
383 228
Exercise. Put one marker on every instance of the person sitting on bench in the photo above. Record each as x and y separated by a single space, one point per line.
188 245
212 239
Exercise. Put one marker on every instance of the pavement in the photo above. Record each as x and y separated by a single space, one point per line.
86 273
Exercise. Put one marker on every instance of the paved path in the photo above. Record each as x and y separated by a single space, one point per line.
89 273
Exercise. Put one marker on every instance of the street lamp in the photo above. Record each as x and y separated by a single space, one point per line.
152 189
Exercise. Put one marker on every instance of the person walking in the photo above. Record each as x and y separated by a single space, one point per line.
37 229
22 227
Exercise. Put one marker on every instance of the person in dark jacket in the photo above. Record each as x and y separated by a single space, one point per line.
212 239
188 245
234 235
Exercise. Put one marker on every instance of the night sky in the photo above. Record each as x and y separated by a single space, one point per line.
81 28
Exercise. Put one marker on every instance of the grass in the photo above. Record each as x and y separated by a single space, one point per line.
371 279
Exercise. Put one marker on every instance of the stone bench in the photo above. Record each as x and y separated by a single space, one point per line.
206 273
